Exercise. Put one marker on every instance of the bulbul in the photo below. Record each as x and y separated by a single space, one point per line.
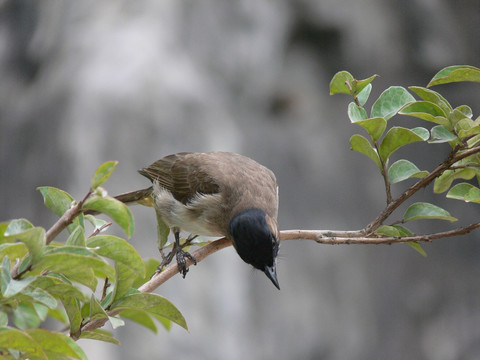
217 194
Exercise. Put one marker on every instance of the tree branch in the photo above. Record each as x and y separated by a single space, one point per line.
452 159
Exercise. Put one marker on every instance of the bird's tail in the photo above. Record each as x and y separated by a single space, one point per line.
143 197
140 196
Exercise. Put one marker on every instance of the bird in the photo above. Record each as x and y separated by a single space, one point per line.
216 194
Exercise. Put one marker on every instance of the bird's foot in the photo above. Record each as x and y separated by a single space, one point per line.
182 262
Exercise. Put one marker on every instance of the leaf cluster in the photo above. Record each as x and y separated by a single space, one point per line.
455 126
77 281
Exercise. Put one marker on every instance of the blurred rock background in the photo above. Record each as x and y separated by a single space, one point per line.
90 81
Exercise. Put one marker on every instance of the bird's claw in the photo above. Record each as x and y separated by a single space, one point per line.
182 262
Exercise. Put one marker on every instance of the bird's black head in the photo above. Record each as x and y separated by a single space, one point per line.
255 241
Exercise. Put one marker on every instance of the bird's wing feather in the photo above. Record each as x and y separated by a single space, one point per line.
182 175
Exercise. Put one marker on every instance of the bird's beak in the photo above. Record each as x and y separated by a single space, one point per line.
271 272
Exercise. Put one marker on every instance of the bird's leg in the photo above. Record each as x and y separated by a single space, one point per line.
181 255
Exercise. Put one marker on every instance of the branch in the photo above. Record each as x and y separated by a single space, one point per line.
447 164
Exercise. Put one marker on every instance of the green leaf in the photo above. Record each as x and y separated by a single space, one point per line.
465 110
40 296
57 345
75 265
13 251
151 266
356 113
338 84
374 126
441 134
57 287
115 209
402 170
444 181
363 95
388 231
466 128
96 310
72 308
456 73
416 246
362 145
422 210
25 317
425 110
116 321
3 319
140 317
360 85
99 334
422 132
124 279
432 96
56 200
403 230
59 202
9 286
103 173
77 237
162 231
395 138
34 239
465 192
98 224
17 226
152 304
390 101
119 250
15 339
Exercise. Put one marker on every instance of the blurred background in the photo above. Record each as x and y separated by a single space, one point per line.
83 82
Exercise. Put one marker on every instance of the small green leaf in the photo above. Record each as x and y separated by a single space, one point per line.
57 287
362 145
103 173
441 134
402 170
416 246
72 308
432 96
395 138
25 317
374 126
9 286
388 231
339 83
34 239
425 110
361 85
99 334
422 210
465 110
40 296
444 181
115 209
356 113
98 224
152 304
465 192
422 132
456 73
390 102
140 317
363 95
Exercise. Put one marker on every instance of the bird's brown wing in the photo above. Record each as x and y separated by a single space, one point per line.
181 174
